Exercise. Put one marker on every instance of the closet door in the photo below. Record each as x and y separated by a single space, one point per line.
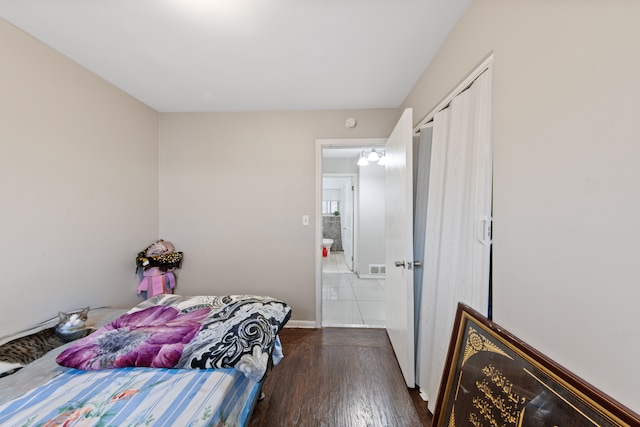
457 241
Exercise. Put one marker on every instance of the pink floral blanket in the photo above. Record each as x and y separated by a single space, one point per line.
172 331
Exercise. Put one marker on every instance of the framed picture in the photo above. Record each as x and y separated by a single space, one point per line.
491 378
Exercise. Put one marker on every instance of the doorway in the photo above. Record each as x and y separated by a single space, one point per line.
398 236
348 294
338 220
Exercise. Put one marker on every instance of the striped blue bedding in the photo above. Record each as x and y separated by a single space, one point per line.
137 397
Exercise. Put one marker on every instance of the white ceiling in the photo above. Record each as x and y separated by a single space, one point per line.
247 55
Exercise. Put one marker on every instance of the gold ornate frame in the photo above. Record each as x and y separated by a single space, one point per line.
491 378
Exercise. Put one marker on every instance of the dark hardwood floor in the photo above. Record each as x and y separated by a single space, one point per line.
338 377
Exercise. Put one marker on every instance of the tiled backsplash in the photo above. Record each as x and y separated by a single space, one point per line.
331 229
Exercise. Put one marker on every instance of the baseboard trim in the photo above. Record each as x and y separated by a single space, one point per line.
371 276
300 324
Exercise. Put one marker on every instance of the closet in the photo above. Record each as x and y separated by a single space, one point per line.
452 223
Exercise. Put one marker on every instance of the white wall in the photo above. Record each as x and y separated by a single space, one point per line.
371 223
566 101
330 194
79 185
233 189
339 165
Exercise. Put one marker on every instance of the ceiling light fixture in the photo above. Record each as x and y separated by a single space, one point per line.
383 159
373 156
362 161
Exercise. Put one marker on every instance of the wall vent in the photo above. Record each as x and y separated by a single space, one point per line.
377 269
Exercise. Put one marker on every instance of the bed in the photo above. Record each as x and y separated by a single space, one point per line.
170 360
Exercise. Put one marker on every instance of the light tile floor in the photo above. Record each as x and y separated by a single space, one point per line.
348 300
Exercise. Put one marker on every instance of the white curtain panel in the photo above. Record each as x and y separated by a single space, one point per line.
457 246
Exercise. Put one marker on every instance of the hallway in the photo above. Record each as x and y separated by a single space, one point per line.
348 300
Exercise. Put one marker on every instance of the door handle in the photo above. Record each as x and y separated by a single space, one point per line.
409 264
484 230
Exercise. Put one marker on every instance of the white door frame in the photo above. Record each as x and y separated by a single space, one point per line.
320 144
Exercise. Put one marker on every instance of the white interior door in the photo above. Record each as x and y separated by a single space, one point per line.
346 218
399 252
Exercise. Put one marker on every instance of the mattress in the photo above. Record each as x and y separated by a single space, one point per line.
210 375
137 396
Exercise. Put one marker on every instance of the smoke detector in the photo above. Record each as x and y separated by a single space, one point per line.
350 123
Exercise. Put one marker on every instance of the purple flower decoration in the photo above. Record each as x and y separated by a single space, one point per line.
153 337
